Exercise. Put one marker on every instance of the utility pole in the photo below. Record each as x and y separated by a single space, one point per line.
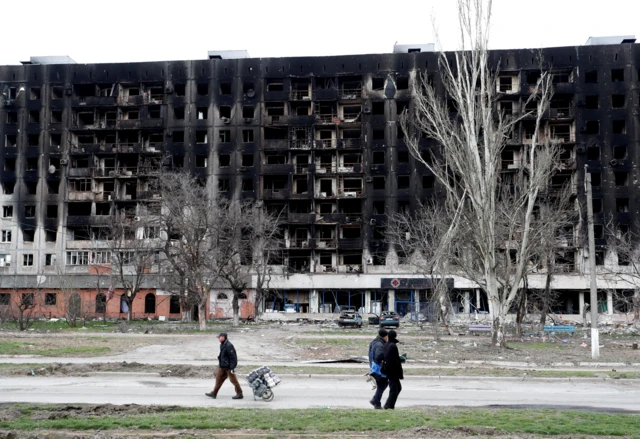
595 336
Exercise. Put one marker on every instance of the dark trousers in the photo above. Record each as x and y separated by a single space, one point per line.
221 376
381 386
394 390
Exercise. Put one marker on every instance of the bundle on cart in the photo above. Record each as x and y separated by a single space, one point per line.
261 381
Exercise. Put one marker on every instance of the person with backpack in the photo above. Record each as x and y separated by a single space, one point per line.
376 356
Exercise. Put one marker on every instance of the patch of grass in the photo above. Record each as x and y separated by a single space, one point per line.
26 348
512 421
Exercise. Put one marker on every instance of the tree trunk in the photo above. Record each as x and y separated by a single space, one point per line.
522 309
636 307
236 308
202 316
129 301
547 294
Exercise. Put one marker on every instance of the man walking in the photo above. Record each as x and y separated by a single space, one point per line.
393 369
376 355
227 362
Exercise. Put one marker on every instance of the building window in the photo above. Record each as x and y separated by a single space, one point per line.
50 260
50 299
7 211
77 258
27 260
224 136
101 303
150 304
28 235
247 136
174 304
5 299
5 260
29 211
101 257
6 236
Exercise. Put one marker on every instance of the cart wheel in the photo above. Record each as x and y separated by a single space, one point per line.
267 395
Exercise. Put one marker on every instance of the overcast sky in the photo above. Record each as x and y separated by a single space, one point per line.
92 31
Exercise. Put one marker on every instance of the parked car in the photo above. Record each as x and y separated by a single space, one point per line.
389 318
349 317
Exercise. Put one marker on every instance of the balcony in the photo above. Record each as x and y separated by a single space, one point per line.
327 119
306 218
325 94
276 194
350 168
277 169
326 243
350 193
275 144
350 93
300 144
326 168
93 101
350 143
300 243
80 172
300 95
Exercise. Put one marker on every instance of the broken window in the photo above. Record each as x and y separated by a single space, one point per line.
402 83
201 161
617 101
378 158
202 113
223 184
591 77
377 84
6 236
620 152
224 160
7 211
57 92
621 178
53 187
617 75
29 211
178 136
203 89
225 112
224 136
33 139
50 261
428 181
27 261
247 160
9 164
180 89
592 102
28 235
533 76
201 136
596 179
34 116
597 205
274 108
592 127
619 127
403 156
32 187
275 84
225 88
403 181
622 205
593 153
379 182
247 111
377 108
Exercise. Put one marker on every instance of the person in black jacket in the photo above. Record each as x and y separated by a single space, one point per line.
393 370
227 362
376 355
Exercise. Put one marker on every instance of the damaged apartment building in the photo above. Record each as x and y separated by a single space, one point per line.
317 138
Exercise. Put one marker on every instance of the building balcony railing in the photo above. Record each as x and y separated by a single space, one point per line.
350 243
299 243
350 143
300 95
326 243
350 193
326 168
326 143
350 168
276 194
350 93
302 169
300 144
306 218
326 118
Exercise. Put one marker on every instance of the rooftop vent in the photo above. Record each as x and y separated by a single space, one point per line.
228 54
603 41
413 48
49 60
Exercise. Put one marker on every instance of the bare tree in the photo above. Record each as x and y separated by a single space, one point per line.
24 305
211 242
133 246
494 214
624 242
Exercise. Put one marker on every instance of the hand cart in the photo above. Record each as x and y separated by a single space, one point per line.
261 381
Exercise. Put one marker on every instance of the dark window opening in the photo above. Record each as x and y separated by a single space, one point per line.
174 304
592 102
378 207
180 89
403 181
600 257
29 211
31 164
32 187
53 187
377 84
401 106
150 304
617 75
247 159
33 139
377 108
225 88
247 184
178 136
28 235
379 182
275 84
9 164
620 152
247 111
619 127
402 83
201 137
596 179
52 211
223 184
428 181
378 134
224 160
597 205
403 156
50 236
178 113
203 89
618 101
201 161
34 116
533 76
593 127
593 153
591 77
224 136
621 178
225 111
378 158
622 205
50 299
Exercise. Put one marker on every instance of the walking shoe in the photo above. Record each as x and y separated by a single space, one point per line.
388 408
211 395
377 407
237 397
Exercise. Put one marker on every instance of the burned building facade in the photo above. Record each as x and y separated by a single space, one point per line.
316 138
